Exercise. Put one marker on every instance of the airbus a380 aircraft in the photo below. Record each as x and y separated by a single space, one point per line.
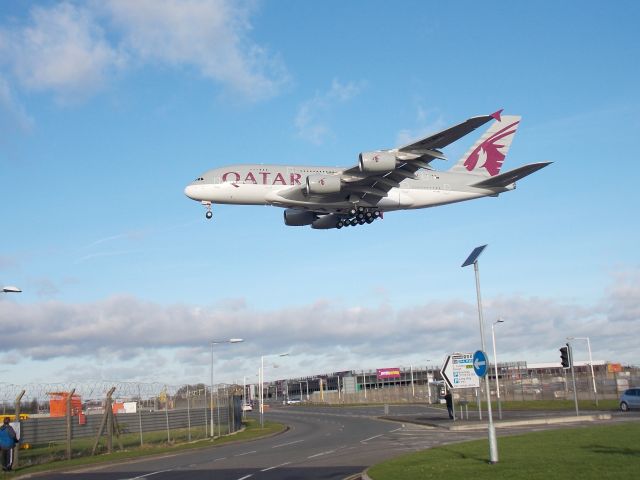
382 181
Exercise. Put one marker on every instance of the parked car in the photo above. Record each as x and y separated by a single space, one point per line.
630 399
247 407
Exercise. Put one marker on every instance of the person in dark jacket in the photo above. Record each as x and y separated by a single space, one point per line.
449 399
8 441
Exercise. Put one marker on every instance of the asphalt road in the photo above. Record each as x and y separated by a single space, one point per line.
322 443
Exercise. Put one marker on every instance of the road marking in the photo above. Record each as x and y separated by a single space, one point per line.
271 468
149 474
246 476
321 453
289 443
245 453
218 459
371 438
395 430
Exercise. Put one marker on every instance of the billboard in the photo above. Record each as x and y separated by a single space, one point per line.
384 373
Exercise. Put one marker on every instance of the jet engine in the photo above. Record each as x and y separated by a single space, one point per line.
377 161
323 184
298 218
326 221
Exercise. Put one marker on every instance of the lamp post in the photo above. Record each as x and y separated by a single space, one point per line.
213 343
472 259
262 384
10 289
593 377
495 364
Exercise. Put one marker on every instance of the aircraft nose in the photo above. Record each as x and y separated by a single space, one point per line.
190 191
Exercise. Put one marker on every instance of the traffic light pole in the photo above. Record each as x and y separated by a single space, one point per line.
573 378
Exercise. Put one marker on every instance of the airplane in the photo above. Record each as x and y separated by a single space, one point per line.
382 181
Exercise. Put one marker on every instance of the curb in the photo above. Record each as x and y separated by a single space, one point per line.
505 424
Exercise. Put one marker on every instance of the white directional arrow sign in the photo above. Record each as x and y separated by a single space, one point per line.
458 371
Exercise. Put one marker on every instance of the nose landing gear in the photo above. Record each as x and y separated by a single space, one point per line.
209 213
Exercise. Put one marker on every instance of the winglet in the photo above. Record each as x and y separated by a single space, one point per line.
496 115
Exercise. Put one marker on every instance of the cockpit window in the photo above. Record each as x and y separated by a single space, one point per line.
199 179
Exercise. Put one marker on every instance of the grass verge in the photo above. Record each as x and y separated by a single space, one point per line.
597 452
47 458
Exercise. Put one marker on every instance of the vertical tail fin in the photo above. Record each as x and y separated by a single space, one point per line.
486 156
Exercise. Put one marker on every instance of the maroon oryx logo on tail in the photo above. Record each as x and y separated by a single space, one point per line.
490 149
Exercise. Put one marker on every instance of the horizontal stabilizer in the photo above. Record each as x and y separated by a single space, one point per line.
507 178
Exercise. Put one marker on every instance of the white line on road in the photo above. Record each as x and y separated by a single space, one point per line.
289 443
321 453
371 438
218 459
246 476
245 453
395 430
149 474
271 468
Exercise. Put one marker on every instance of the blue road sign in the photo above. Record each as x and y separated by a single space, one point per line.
480 363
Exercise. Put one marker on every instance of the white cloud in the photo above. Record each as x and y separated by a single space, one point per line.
63 50
314 115
209 36
323 335
74 49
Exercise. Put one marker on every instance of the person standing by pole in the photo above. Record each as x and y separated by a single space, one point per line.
8 440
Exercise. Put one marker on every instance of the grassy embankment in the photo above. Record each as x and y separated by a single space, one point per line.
596 452
49 457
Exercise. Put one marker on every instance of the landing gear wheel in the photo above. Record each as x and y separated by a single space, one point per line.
209 214
361 221
354 222
339 225
369 219
352 211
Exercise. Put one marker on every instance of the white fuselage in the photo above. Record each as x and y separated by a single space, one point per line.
268 184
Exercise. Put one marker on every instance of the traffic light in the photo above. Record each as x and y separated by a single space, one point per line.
564 356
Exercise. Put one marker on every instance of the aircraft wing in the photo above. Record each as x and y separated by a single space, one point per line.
371 186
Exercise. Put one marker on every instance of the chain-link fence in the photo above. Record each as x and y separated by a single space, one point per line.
516 383
74 419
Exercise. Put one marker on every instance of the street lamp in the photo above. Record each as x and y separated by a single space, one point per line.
10 289
593 378
262 384
472 259
213 343
495 364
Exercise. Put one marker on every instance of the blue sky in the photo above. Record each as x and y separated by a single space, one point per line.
108 109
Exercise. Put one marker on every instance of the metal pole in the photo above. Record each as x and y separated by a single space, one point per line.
261 391
495 364
493 445
188 415
211 428
140 414
218 409
413 388
593 377
573 378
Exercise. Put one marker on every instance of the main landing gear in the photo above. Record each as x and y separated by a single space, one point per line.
209 213
359 216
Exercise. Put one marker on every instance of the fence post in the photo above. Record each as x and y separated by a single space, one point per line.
68 415
16 453
166 413
140 413
188 416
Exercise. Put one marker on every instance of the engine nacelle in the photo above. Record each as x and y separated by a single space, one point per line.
298 218
323 184
377 161
326 221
